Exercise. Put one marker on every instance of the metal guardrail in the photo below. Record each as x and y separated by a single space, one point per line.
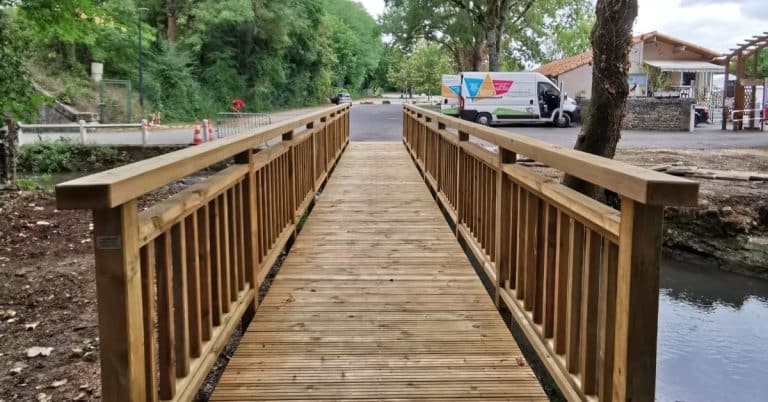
229 124
82 129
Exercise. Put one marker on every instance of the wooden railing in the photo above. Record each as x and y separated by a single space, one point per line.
580 278
174 280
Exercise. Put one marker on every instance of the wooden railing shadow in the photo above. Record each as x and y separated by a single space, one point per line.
174 280
580 278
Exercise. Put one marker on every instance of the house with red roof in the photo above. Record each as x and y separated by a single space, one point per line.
660 66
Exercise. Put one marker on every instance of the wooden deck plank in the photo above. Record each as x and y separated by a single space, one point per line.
377 301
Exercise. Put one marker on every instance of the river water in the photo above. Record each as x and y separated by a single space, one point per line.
713 335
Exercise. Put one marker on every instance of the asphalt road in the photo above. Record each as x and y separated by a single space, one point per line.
384 123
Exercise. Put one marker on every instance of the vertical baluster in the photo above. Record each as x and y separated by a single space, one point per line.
244 251
523 237
193 284
589 306
513 233
492 216
269 206
541 249
215 260
550 241
484 193
261 209
531 260
607 313
165 321
575 264
234 252
204 245
180 305
562 255
147 257
224 263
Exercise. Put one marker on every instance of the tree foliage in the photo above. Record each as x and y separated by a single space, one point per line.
18 98
201 54
492 33
422 69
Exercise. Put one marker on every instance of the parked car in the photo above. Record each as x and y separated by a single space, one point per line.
342 98
702 114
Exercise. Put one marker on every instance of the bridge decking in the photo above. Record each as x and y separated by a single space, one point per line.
377 301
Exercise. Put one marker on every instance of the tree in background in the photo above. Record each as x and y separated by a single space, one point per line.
199 54
421 70
611 40
487 32
18 97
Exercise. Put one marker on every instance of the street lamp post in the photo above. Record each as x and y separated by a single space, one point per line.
141 74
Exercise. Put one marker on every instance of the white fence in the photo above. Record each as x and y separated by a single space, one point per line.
81 131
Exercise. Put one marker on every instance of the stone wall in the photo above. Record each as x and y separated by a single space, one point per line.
653 114
658 114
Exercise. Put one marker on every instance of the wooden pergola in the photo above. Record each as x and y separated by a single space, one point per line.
744 53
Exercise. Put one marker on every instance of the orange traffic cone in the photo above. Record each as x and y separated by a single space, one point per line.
197 139
209 129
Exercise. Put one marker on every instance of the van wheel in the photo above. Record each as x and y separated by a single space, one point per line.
484 119
563 120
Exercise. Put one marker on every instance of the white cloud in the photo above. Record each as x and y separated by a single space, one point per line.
715 24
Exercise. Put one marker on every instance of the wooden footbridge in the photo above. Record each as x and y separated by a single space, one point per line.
381 295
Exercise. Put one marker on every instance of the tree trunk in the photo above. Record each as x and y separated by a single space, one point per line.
611 39
171 19
493 50
10 152
477 59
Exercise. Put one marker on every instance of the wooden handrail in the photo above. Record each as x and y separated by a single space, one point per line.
643 185
174 280
113 187
581 279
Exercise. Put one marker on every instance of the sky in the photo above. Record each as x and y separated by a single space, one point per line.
713 24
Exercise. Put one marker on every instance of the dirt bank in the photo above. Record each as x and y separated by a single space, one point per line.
730 226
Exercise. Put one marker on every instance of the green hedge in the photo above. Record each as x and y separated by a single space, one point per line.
64 155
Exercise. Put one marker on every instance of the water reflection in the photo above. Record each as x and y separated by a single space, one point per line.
713 335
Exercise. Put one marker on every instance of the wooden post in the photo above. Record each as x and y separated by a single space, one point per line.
724 123
637 301
118 288
738 93
250 227
753 99
501 235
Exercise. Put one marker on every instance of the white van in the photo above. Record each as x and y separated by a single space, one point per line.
450 91
525 97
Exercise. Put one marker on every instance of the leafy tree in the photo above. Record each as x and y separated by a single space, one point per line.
422 69
429 62
502 29
199 54
18 97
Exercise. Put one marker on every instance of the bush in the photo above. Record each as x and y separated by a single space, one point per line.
64 155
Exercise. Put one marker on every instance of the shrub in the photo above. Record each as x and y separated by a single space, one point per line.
64 155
